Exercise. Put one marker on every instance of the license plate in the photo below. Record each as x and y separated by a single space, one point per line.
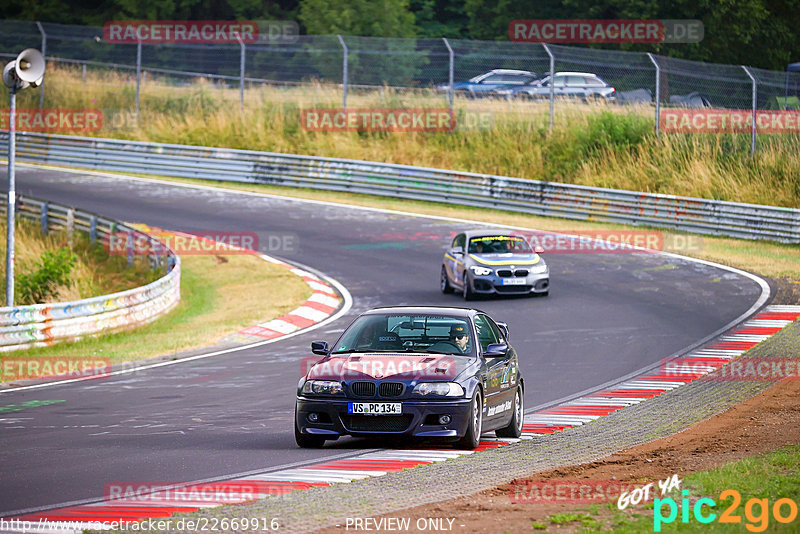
513 281
375 408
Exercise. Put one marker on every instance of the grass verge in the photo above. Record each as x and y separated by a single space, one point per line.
759 481
592 144
219 295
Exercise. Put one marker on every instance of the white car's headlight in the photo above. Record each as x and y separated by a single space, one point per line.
480 271
441 389
538 269
323 387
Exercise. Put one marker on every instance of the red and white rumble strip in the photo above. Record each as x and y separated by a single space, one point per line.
192 496
323 302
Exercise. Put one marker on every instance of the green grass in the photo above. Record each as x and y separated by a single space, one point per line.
770 476
592 144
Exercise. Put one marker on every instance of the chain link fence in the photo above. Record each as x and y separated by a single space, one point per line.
441 66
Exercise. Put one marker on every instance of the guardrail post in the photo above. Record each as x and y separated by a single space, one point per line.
43 217
70 225
138 74
450 76
552 83
658 93
344 71
83 73
44 54
755 106
93 228
129 247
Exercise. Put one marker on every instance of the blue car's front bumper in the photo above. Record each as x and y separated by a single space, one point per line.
419 418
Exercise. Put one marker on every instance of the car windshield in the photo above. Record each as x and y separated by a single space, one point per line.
392 333
499 244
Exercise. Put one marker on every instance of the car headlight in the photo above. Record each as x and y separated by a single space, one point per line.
538 269
480 271
440 389
323 387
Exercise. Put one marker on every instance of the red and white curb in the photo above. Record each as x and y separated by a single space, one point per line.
687 368
193 497
323 302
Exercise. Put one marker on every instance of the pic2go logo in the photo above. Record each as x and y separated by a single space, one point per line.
756 511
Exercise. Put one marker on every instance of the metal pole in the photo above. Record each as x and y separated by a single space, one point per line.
12 196
755 105
344 71
552 82
138 74
44 54
241 72
450 79
658 93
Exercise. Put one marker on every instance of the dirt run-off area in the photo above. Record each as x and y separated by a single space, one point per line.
761 424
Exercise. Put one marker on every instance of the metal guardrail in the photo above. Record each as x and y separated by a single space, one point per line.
43 324
713 217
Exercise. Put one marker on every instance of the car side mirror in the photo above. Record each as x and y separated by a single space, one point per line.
496 350
539 249
320 347
458 251
503 328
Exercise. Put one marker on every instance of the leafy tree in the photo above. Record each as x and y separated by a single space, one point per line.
375 18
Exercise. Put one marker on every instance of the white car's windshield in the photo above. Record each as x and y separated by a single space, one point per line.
499 244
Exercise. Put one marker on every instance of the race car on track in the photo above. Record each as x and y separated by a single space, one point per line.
435 373
489 262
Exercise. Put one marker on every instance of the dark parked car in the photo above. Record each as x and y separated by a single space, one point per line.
495 79
413 372
567 84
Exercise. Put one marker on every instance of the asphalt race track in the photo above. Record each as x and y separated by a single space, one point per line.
607 315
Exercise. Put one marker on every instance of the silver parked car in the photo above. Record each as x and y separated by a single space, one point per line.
491 262
583 85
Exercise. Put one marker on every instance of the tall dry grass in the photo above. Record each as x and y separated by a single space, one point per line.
592 144
95 272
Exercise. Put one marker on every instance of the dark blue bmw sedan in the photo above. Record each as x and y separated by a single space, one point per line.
413 372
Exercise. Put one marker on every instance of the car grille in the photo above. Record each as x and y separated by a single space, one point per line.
512 289
505 273
377 423
521 272
363 389
390 389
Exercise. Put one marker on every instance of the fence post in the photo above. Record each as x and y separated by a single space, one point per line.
138 74
44 54
450 76
344 71
242 52
755 106
83 73
12 196
43 219
552 82
658 93
70 226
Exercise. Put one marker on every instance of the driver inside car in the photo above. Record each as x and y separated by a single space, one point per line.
460 336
